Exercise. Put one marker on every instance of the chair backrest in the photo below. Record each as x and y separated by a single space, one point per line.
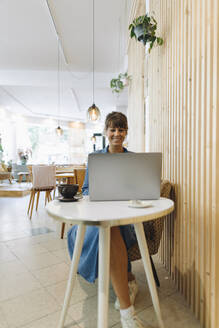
30 172
79 177
43 176
153 229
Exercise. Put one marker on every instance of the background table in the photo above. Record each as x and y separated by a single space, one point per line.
68 176
22 174
106 215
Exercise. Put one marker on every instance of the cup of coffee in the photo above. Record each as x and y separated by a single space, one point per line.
68 190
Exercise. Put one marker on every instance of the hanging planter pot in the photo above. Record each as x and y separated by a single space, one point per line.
139 32
143 29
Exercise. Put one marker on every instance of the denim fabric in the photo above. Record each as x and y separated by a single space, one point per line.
88 263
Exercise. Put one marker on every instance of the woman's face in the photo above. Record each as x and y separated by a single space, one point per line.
116 136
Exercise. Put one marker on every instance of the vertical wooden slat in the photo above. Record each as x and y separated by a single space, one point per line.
208 200
188 162
193 151
177 154
174 119
184 111
214 313
201 277
197 118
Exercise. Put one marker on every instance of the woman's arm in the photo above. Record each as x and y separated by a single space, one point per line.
85 188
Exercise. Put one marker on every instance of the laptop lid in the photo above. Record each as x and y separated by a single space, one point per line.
124 176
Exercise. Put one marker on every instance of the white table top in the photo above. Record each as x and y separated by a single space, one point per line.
66 174
107 213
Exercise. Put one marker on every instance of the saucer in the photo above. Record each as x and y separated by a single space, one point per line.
140 203
62 199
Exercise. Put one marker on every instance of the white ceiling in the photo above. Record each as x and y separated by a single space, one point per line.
29 55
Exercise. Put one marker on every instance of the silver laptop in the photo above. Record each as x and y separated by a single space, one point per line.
124 176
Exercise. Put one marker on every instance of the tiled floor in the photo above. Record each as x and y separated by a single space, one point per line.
34 267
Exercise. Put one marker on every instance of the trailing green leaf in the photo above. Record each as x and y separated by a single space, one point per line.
117 85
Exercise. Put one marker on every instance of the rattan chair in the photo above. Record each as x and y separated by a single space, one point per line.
153 231
79 175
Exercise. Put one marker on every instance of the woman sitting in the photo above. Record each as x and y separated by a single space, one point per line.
122 238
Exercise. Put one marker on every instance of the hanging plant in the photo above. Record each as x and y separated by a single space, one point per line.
117 85
143 29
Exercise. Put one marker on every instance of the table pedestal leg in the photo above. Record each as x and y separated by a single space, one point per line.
103 276
148 270
73 271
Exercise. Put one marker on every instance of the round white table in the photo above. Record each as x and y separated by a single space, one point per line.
105 215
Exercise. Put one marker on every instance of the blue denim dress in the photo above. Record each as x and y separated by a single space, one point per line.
88 263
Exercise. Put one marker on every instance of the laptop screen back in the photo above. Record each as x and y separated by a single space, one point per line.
124 176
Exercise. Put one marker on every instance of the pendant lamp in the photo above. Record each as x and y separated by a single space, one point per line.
58 130
93 112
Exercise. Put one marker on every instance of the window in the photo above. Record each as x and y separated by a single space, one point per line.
47 147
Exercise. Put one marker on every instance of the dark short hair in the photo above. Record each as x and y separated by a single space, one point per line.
116 120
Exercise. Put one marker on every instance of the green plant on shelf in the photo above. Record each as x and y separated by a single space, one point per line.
118 84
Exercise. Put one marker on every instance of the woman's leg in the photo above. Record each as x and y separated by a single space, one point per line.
118 268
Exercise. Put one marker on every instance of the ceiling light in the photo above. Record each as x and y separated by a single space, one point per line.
93 139
59 131
93 113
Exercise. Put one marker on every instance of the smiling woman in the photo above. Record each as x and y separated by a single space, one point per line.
122 238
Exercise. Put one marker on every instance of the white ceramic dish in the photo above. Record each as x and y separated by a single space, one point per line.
140 203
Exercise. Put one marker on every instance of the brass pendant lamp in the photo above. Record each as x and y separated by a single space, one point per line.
93 112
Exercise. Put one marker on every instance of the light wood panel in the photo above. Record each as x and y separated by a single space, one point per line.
136 88
190 30
183 100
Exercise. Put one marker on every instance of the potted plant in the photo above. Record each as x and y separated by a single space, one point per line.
143 29
9 167
24 155
118 84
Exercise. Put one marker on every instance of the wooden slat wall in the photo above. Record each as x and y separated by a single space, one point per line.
182 101
183 93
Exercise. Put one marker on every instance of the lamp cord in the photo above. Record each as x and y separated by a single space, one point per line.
93 51
58 78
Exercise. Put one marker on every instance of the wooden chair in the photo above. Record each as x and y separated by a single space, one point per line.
43 181
30 172
153 231
79 175
6 176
